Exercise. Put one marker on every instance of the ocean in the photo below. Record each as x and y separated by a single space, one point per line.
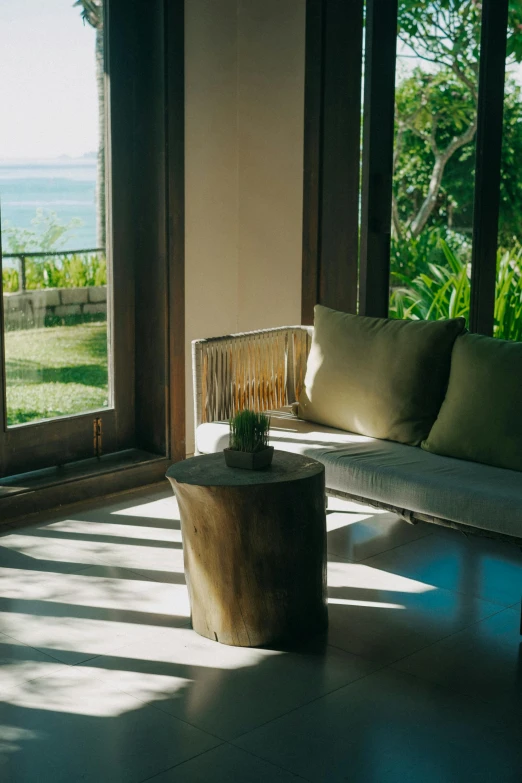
65 186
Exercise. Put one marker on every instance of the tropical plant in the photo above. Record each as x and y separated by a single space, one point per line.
443 291
75 270
411 255
249 431
508 296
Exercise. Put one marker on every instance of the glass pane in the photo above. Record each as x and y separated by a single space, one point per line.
508 301
52 197
434 157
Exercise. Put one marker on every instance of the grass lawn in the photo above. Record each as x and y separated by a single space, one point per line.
56 371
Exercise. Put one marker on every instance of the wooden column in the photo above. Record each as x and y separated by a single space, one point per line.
332 154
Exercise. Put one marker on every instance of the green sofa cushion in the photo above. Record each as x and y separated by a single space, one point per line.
480 418
376 376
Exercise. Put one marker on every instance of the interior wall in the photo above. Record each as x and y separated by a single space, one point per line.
211 194
244 93
271 59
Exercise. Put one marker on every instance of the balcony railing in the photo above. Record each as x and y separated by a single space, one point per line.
23 256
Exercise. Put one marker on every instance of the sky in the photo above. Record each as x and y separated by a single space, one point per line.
48 99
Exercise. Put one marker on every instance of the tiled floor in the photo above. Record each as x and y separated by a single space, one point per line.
102 680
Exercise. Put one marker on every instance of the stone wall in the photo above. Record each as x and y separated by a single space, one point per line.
28 309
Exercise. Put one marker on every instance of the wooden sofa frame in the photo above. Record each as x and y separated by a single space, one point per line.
264 370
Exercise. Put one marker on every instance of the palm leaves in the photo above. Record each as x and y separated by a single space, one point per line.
508 299
444 291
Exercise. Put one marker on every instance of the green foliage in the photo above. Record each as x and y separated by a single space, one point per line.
439 106
508 295
249 431
63 271
66 270
410 256
514 41
431 110
511 181
10 280
436 110
425 25
443 291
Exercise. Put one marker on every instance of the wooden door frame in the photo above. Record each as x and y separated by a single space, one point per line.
41 444
152 421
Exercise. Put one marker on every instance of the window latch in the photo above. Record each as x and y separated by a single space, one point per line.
97 437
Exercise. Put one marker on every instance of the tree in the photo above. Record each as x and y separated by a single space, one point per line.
92 13
438 104
452 207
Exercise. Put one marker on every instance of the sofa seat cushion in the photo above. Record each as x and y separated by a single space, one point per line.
480 417
402 476
380 377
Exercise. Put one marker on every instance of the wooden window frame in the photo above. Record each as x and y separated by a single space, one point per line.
377 156
147 94
487 164
334 35
329 261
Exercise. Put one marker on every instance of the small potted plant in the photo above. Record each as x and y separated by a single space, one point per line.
248 445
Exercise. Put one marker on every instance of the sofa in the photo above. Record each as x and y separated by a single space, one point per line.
269 370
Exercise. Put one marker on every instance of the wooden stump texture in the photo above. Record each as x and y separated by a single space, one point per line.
254 546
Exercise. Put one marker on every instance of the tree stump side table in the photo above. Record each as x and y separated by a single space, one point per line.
254 548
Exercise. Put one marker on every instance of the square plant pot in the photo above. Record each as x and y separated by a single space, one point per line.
249 460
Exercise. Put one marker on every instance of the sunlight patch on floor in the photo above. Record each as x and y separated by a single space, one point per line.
114 529
368 604
337 521
79 692
94 552
165 508
358 576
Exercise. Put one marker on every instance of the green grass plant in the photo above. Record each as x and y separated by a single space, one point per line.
249 431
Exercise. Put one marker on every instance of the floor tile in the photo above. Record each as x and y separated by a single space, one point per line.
484 661
19 663
226 764
157 511
71 552
70 727
357 532
390 727
112 529
225 690
18 550
383 616
73 617
103 587
485 568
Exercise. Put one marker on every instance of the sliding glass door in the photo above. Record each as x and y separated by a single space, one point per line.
65 361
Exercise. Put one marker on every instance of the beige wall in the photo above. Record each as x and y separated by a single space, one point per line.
244 80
